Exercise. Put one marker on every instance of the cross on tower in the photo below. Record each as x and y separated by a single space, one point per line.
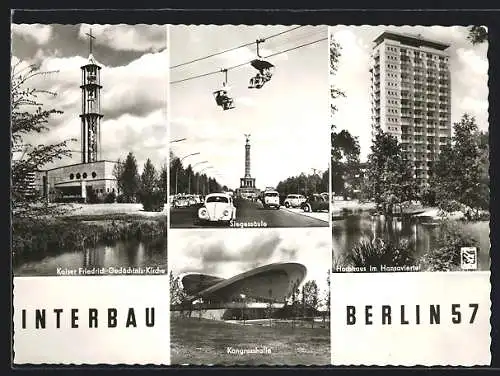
90 39
247 138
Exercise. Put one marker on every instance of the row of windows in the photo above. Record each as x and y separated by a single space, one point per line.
84 175
392 111
428 55
101 190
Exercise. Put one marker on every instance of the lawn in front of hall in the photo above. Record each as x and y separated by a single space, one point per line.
201 341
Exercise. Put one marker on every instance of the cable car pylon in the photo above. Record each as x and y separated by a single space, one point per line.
265 69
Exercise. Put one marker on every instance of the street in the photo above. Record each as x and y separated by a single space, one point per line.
250 214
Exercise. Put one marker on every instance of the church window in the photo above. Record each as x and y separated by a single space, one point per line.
78 176
71 176
94 174
85 175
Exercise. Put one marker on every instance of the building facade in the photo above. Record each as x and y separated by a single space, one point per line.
252 293
411 96
73 182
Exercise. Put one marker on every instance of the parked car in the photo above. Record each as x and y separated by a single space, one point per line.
180 202
316 202
294 200
218 207
271 199
191 200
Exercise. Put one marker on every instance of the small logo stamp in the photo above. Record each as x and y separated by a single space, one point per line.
468 257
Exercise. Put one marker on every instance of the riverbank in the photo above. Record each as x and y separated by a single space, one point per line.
83 226
340 207
436 214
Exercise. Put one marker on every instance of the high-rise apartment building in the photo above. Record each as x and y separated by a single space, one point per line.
411 96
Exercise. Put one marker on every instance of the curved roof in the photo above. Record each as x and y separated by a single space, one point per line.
201 285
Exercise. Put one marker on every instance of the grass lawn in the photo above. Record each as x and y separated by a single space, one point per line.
351 205
114 209
198 342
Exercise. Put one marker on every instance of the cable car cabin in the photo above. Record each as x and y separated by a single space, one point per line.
266 70
223 100
256 82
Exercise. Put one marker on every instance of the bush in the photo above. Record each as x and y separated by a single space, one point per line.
34 239
153 201
110 198
120 199
446 255
92 197
428 197
377 253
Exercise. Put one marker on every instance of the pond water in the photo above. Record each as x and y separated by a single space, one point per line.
129 253
421 233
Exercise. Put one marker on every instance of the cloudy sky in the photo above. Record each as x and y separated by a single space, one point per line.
468 66
134 78
287 118
228 253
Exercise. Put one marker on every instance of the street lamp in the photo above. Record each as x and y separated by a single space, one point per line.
204 169
178 140
189 176
198 178
177 169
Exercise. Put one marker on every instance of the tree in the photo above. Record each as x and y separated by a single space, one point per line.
117 173
327 293
151 195
310 293
30 117
163 178
477 34
334 91
345 163
460 175
149 177
178 296
390 176
129 180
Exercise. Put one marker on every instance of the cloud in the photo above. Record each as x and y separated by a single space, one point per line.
40 34
133 104
127 37
468 67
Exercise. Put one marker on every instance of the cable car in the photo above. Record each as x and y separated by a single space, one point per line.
222 97
265 70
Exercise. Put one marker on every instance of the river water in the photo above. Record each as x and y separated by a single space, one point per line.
421 233
130 253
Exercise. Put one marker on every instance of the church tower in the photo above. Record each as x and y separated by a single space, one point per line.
91 109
